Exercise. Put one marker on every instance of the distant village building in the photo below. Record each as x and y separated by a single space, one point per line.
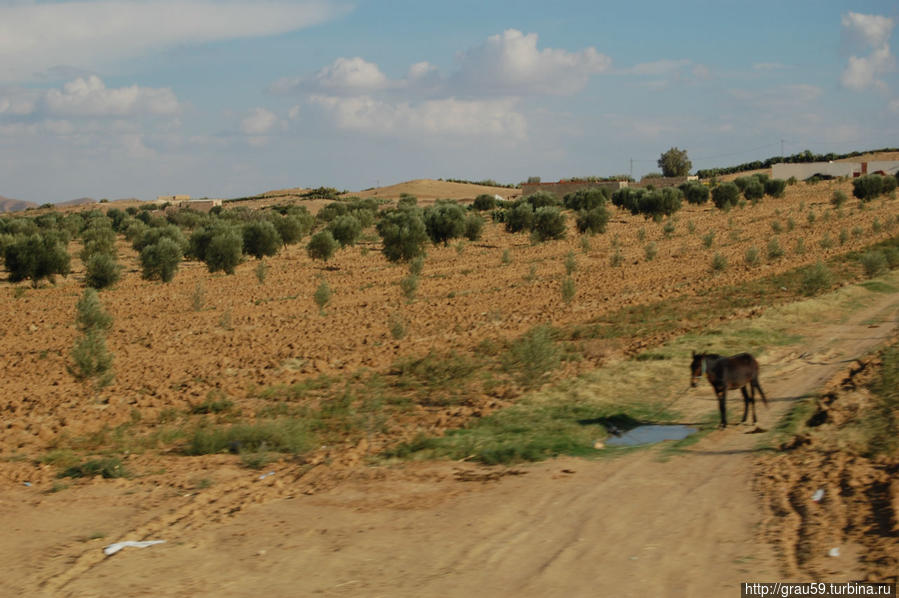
806 170
564 187
172 199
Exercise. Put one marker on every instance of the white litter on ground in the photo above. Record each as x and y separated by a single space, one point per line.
114 548
818 495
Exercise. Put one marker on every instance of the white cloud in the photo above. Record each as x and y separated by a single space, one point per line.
893 106
871 31
420 70
259 122
447 117
351 75
511 64
90 97
862 72
35 37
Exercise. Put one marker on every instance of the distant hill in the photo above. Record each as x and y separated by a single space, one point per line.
77 202
429 189
14 205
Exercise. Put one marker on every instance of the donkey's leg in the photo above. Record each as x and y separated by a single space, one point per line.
746 401
722 400
755 383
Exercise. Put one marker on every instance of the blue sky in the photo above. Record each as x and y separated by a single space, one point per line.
138 98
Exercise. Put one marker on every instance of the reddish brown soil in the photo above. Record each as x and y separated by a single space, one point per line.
858 512
632 526
250 335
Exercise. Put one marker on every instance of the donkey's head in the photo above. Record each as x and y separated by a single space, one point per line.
697 368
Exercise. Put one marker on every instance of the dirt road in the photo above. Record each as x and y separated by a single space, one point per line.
636 525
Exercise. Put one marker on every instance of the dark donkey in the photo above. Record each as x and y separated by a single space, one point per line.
729 373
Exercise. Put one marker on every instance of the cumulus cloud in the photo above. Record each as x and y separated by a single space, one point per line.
90 97
870 32
511 64
35 37
862 72
893 106
259 122
445 117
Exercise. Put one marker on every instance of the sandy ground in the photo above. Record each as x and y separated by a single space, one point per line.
646 523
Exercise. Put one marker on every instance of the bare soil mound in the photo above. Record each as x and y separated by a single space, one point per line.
826 505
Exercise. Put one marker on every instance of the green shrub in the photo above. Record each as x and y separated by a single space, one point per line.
444 221
102 271
549 223
568 289
889 184
541 199
484 202
161 259
743 182
892 256
92 358
409 286
660 202
775 251
752 257
260 238
874 262
668 228
152 236
403 233
322 246
838 199
416 265
867 187
36 257
283 436
695 193
406 201
586 199
224 250
754 190
106 467
345 230
99 237
519 218
532 357
775 187
708 239
474 227
89 313
725 195
816 279
322 295
651 250
719 263
628 198
592 221
292 228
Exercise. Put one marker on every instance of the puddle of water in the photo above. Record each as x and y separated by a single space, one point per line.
650 434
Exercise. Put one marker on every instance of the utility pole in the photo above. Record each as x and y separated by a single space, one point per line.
632 168
781 148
